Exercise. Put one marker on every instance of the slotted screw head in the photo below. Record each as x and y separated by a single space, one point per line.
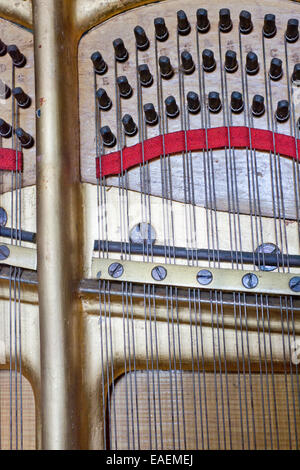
204 277
4 252
295 284
115 270
250 280
159 273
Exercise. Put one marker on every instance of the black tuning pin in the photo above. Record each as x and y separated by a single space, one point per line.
104 101
129 125
142 42
292 30
166 69
252 65
3 48
193 102
276 71
187 62
225 23
208 60
23 100
25 139
108 137
236 103
214 102
146 78
296 74
4 90
171 107
203 24
298 123
150 114
161 31
183 25
283 111
19 60
231 64
5 129
258 105
121 52
100 65
246 24
124 87
269 29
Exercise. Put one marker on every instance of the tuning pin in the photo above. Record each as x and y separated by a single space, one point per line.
269 29
252 66
150 114
187 62
276 69
5 129
208 60
19 60
214 102
296 74
161 31
124 87
283 111
3 48
203 24
292 30
121 52
298 123
237 103
146 78
4 90
183 25
231 64
108 137
100 65
130 127
23 100
193 102
171 107
225 23
25 139
166 69
258 105
142 42
104 101
246 24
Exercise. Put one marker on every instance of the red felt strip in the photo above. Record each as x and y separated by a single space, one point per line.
8 160
198 139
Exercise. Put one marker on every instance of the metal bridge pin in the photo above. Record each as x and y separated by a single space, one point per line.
166 69
193 102
109 140
203 24
3 48
283 111
4 90
214 102
208 60
104 101
246 24
159 273
25 139
130 127
231 64
142 42
146 78
19 60
124 87
296 75
171 107
237 103
183 25
121 52
250 280
292 30
5 129
150 114
258 105
276 71
23 100
252 65
161 31
187 62
269 29
225 23
100 65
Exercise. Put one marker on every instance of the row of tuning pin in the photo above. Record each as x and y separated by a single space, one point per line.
6 130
